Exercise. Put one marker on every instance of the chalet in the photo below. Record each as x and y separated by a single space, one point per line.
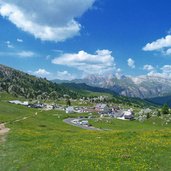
102 108
118 114
128 114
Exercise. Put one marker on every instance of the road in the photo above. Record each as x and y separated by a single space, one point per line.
69 121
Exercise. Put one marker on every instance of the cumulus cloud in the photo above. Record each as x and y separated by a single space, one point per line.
164 72
46 19
61 75
100 62
163 45
157 74
41 72
131 63
158 44
64 75
148 67
166 69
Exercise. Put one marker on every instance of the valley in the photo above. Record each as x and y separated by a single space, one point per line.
78 127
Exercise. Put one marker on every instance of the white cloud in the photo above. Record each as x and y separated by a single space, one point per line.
19 40
131 63
100 62
165 72
9 45
148 67
41 72
25 54
159 74
64 75
46 19
166 69
159 44
163 45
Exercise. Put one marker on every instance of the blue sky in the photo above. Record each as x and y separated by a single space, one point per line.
71 39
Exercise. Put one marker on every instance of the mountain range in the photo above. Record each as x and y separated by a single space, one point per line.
153 89
141 86
18 83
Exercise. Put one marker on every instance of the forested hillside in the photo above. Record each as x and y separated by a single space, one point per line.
22 84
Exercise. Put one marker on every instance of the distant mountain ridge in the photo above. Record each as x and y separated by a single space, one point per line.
141 86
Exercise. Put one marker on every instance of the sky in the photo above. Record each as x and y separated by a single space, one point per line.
69 39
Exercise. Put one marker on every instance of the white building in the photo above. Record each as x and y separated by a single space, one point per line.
19 102
15 102
69 109
128 114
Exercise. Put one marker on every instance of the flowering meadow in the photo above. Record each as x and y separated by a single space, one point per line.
44 142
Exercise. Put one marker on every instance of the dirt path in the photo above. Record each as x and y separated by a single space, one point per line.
3 132
3 129
25 117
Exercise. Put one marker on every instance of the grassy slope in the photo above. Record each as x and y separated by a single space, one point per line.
44 142
161 100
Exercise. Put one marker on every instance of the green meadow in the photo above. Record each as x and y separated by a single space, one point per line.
43 142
